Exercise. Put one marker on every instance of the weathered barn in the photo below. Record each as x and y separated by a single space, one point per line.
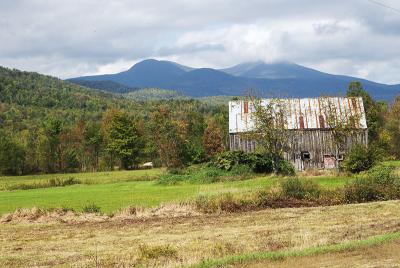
311 133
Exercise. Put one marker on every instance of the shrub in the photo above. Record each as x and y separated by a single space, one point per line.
225 202
361 190
227 160
382 175
91 208
295 188
359 158
57 182
286 168
241 170
379 183
259 163
171 179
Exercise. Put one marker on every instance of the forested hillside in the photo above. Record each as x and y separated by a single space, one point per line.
48 125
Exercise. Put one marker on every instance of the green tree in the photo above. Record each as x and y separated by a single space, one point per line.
12 156
270 129
372 109
168 138
123 139
93 140
53 127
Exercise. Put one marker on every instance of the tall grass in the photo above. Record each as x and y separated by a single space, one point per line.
54 182
205 174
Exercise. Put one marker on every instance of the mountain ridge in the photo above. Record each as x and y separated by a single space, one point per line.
269 78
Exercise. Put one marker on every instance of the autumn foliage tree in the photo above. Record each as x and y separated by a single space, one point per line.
168 138
212 139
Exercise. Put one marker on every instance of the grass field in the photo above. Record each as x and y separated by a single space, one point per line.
184 241
108 192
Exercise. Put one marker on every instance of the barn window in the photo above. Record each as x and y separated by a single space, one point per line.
321 121
301 120
305 155
246 107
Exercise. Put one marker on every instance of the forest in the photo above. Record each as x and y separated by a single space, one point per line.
48 125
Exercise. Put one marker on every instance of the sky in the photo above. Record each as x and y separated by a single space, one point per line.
69 38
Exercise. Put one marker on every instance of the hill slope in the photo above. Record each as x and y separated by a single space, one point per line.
28 89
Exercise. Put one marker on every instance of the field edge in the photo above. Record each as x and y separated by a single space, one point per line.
280 255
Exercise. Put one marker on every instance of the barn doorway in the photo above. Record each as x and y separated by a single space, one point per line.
329 161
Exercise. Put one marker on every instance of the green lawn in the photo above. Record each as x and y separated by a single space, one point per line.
113 196
85 178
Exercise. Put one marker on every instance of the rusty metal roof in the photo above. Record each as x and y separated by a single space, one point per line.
306 113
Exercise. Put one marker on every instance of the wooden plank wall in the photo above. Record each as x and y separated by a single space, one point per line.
317 142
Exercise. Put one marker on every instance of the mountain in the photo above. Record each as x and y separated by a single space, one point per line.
280 70
104 85
277 79
148 73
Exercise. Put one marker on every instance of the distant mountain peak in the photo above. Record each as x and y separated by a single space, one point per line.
283 76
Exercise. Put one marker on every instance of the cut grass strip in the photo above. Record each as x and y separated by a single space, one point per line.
280 255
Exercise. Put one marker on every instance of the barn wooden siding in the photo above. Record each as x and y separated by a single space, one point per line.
318 143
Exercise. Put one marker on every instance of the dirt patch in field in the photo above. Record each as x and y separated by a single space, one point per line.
37 215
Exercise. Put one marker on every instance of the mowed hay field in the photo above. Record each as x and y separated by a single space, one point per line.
185 241
181 237
112 191
381 255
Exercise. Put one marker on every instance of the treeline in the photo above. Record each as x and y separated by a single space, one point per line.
171 134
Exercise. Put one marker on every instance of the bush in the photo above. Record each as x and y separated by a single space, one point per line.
382 175
91 208
241 170
259 163
57 182
361 190
295 188
379 183
359 158
286 168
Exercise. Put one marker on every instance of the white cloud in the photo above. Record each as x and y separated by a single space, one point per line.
72 38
